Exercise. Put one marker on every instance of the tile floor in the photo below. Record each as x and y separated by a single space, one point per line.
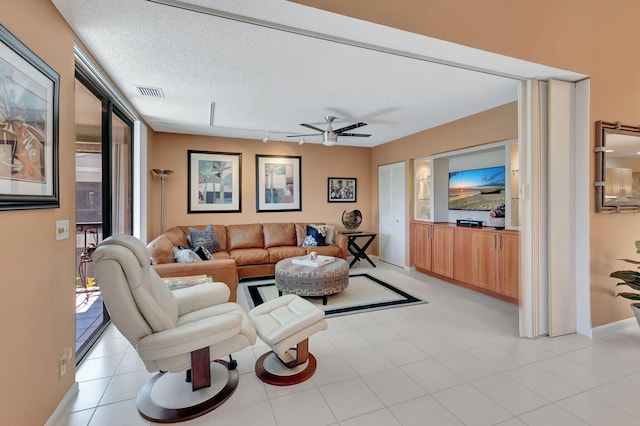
454 361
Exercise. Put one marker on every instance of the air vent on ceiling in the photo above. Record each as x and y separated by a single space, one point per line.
152 92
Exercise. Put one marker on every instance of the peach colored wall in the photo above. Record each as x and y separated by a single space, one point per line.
37 307
494 125
578 35
318 163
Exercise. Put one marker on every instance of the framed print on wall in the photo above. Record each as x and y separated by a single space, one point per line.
341 190
29 93
278 183
214 182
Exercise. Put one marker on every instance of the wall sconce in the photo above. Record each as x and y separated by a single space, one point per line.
163 173
301 141
266 138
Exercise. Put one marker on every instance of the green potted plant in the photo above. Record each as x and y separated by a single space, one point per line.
631 279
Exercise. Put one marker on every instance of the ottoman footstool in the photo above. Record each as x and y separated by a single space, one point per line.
283 323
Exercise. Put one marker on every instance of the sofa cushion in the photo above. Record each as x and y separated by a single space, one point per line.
326 250
177 236
204 238
276 254
316 236
279 234
249 256
161 250
244 236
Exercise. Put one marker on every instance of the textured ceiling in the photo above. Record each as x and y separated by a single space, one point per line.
269 65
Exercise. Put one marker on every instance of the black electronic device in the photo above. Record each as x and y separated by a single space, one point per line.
469 223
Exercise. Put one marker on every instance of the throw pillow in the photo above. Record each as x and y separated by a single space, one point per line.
205 238
331 234
185 255
203 253
316 236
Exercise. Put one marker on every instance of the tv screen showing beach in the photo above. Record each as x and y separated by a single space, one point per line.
479 189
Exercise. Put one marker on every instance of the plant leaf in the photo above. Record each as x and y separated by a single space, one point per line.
633 285
626 276
630 296
635 262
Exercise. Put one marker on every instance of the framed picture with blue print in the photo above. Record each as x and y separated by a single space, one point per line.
278 183
214 182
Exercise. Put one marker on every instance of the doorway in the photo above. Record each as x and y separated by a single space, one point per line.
103 154
391 208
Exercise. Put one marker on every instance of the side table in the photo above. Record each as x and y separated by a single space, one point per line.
358 250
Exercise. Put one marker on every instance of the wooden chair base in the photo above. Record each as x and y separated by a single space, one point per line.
151 411
287 368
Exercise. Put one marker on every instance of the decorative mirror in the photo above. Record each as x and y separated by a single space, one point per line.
617 167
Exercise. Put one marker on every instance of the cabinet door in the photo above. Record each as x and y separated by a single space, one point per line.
421 245
442 251
462 255
484 259
509 265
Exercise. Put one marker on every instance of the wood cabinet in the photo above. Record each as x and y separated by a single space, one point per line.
432 248
421 245
486 260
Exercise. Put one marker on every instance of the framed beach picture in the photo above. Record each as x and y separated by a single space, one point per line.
278 183
29 93
341 190
214 182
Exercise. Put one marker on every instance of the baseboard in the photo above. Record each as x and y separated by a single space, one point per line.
62 407
614 327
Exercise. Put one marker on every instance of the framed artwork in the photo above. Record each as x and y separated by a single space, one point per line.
341 190
214 182
29 93
278 183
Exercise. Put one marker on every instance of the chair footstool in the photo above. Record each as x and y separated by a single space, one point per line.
283 323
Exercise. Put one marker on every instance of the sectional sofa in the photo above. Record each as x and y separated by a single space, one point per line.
248 250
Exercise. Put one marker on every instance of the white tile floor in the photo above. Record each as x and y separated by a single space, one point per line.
454 361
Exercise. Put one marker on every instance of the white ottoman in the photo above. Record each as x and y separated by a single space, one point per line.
283 323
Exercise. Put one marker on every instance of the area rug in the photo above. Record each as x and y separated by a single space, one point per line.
364 293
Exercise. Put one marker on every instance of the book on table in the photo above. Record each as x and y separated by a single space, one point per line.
307 261
175 283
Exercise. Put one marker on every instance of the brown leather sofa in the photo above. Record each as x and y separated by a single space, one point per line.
250 250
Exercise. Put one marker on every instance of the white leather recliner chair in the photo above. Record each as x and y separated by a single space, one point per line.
172 331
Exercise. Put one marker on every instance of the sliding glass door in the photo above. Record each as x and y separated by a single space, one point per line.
103 197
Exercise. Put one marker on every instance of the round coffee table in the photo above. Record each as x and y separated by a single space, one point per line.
312 281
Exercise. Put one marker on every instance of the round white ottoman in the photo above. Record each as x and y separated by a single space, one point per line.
283 323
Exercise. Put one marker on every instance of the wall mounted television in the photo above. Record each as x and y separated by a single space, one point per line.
477 189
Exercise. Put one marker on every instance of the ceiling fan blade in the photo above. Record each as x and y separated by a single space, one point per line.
312 127
358 135
308 134
353 126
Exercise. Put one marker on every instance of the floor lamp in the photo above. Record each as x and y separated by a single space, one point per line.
163 173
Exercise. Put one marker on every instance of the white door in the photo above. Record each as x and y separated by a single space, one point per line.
391 208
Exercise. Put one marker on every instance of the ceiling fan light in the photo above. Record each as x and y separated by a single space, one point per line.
329 138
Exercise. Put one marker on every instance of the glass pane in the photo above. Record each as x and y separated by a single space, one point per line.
121 199
90 312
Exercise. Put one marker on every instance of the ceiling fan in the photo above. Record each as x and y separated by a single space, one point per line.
330 136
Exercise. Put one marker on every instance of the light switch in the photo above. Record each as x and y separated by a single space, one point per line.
62 229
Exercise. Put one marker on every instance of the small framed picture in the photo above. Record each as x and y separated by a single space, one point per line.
341 190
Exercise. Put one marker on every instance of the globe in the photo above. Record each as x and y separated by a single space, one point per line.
352 219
